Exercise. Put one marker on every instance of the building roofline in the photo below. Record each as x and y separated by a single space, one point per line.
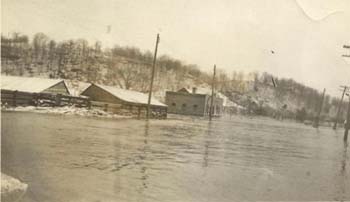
64 83
128 102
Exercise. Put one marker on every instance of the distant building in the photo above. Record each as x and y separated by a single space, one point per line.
193 102
34 85
123 101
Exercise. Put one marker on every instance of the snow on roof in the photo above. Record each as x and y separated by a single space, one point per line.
130 96
186 89
27 84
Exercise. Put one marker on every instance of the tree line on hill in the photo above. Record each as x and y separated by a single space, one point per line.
307 100
125 67
129 68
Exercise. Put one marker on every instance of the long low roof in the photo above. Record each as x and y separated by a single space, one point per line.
27 84
130 96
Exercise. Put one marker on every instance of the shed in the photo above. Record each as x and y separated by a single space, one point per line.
123 101
34 85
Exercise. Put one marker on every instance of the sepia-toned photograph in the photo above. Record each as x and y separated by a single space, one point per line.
175 100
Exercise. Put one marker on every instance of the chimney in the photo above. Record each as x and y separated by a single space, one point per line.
194 90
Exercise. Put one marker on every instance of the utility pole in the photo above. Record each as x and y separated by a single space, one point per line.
317 120
347 125
339 108
212 95
152 78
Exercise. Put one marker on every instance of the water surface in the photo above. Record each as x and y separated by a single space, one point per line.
71 158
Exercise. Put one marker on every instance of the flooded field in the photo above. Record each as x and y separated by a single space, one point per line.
70 158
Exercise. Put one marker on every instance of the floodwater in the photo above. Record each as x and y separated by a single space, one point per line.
71 158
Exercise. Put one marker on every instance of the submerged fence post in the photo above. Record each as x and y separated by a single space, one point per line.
138 112
89 103
14 97
35 99
58 100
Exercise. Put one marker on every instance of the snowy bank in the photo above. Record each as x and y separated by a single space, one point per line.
67 110
11 189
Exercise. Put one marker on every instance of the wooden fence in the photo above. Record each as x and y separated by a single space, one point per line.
18 98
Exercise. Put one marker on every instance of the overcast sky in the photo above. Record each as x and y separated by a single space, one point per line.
307 36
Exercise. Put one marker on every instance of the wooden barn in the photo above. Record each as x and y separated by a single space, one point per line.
121 101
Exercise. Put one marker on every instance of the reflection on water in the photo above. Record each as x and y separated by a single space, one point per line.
206 145
143 157
176 160
343 174
237 159
343 167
